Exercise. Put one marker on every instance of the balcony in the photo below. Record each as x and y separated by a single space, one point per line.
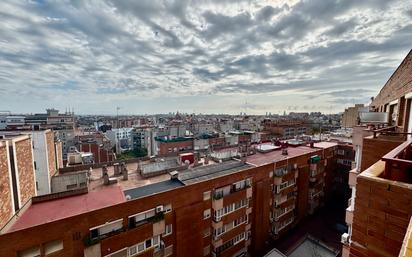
89 240
285 202
220 192
279 227
352 177
398 163
282 171
349 215
283 212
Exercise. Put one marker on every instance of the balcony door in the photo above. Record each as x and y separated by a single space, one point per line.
409 106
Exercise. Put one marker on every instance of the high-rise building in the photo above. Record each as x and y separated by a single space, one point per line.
380 208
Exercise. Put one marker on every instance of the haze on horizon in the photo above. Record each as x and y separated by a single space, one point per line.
151 56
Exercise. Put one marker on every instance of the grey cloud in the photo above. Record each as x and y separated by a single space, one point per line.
341 28
196 48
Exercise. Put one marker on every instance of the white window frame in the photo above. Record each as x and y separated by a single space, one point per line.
168 231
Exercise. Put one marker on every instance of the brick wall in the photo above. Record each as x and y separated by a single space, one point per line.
59 154
383 209
186 216
399 84
51 154
6 196
24 161
164 147
374 148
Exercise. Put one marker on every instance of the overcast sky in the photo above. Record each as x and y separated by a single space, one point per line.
199 56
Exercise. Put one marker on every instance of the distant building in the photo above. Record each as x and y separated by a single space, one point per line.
97 144
173 146
121 138
350 117
287 128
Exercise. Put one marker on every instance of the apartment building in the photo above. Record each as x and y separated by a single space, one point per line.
285 128
98 145
229 208
167 146
379 211
47 156
350 117
17 177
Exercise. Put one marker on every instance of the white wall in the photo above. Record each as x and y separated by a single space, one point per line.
42 166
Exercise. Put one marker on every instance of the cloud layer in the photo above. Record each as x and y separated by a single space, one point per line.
205 56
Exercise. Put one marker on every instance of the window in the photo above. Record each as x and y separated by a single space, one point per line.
341 152
53 246
168 230
140 247
106 228
206 214
230 208
206 196
140 218
168 208
143 246
148 243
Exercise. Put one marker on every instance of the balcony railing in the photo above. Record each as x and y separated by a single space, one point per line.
233 189
398 162
88 240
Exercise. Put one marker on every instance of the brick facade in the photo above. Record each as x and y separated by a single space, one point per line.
399 84
383 209
6 196
187 215
23 159
51 153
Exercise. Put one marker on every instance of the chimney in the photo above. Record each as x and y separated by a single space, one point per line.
174 175
104 170
311 144
116 168
125 173
106 179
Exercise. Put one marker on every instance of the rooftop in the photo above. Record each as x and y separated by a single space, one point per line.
152 188
259 159
49 211
312 247
134 178
207 172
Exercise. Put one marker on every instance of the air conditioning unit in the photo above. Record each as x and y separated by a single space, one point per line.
159 209
345 238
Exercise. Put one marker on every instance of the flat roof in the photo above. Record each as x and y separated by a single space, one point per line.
49 211
134 178
275 253
325 144
152 188
260 159
312 247
207 172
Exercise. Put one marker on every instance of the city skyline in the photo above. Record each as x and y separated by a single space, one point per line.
203 57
